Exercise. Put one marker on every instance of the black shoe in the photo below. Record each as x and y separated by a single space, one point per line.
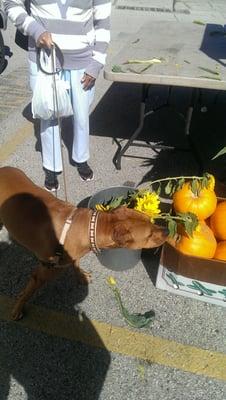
84 170
51 181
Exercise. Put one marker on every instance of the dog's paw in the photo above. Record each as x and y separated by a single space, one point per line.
84 277
16 315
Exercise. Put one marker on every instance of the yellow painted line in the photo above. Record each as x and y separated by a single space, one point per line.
123 341
17 139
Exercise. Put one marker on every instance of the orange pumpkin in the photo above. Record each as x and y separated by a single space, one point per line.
218 221
203 204
201 244
220 252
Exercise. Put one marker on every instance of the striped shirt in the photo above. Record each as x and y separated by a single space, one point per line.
81 29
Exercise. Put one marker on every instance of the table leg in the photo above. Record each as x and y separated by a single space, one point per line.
193 102
145 88
122 150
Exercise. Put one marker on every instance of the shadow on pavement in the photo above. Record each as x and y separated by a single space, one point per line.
213 43
44 366
36 366
150 259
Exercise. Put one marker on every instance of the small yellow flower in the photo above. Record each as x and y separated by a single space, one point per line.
111 281
148 203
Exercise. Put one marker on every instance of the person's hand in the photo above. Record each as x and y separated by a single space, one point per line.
45 40
88 81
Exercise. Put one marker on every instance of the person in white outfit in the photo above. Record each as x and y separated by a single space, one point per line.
81 29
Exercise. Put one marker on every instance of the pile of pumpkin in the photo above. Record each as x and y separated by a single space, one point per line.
209 237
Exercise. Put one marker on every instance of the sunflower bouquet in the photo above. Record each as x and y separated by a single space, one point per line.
148 201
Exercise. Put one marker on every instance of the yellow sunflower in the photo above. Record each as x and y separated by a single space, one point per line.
148 203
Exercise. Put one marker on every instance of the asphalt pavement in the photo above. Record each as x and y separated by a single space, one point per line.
73 342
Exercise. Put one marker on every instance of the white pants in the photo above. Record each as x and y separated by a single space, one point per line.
49 131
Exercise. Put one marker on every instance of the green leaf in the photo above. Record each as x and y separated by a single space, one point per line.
198 22
117 201
209 70
194 186
205 181
168 188
138 320
145 68
172 226
216 78
131 197
135 320
220 153
158 190
189 221
154 60
136 71
117 68
188 228
180 183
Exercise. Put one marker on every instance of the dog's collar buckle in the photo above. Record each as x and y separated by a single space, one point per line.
92 232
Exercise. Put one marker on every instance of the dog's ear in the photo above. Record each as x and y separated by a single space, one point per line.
121 235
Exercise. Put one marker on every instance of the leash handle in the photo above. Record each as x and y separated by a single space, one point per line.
53 51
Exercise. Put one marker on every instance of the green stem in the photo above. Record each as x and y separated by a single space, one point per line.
176 177
167 215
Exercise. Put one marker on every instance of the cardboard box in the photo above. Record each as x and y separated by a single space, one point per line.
199 278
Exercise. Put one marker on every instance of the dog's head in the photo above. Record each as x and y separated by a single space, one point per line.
133 230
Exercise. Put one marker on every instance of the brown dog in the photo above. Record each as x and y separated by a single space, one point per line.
59 234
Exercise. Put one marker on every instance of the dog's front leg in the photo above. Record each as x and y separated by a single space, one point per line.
39 276
83 277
